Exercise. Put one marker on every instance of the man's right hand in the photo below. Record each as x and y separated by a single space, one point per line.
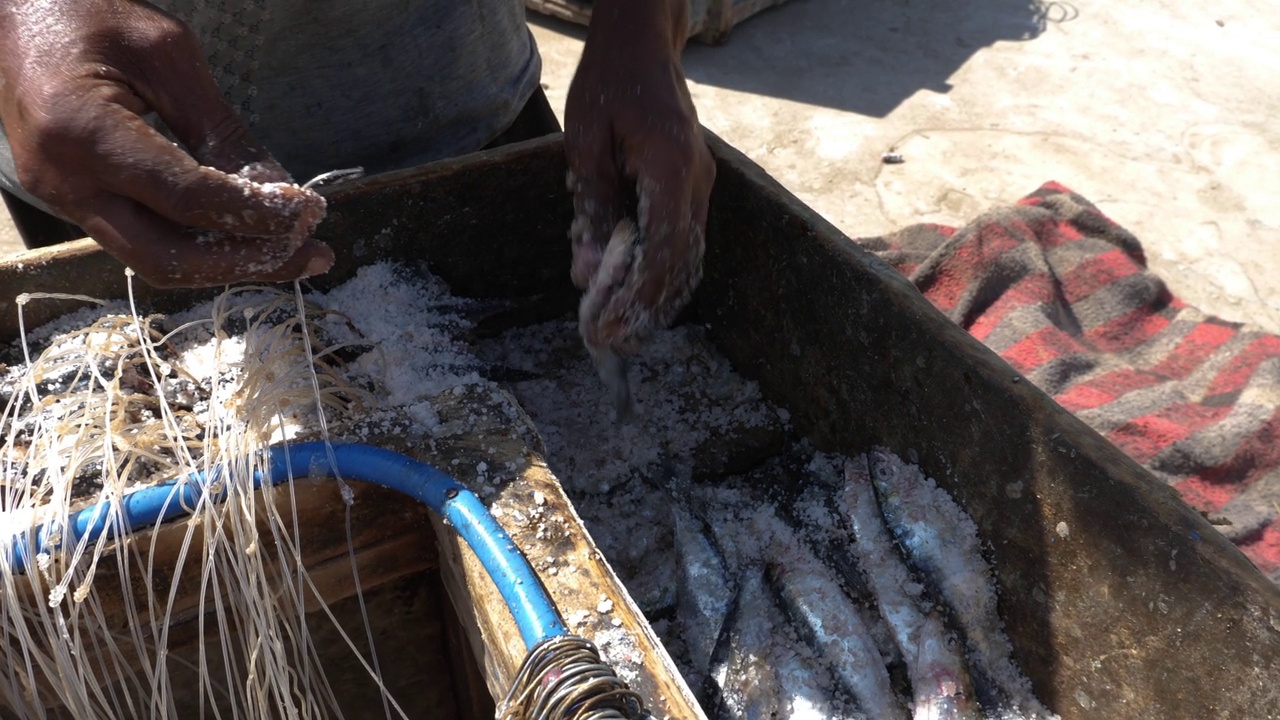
76 79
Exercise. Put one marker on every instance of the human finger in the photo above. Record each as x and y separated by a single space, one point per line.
597 187
187 98
664 258
136 161
166 254
670 180
221 179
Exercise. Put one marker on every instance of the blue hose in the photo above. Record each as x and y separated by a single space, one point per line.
534 613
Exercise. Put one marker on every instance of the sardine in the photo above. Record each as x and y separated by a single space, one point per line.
939 681
706 590
612 273
803 687
746 683
832 625
828 535
940 686
942 543
612 368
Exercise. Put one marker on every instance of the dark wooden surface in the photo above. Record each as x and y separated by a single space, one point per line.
1142 610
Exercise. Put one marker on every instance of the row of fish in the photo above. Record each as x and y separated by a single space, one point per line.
908 628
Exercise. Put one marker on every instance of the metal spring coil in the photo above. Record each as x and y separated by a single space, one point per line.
564 678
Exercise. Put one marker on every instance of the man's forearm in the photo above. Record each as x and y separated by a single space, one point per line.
646 21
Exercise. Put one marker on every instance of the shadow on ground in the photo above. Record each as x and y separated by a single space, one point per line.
861 56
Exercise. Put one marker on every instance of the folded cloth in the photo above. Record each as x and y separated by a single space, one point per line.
1064 295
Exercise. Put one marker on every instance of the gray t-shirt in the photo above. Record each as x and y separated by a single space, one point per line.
383 84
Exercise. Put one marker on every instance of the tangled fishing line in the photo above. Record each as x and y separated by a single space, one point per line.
211 609
113 406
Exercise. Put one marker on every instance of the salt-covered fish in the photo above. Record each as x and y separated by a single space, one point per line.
939 683
746 681
942 542
805 691
612 368
615 267
706 589
832 624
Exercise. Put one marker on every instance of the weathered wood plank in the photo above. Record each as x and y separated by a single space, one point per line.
532 507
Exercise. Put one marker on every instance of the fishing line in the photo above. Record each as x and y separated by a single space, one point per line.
348 497
100 403
89 367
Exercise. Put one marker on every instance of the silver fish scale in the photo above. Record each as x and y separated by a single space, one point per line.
750 688
837 630
943 543
708 589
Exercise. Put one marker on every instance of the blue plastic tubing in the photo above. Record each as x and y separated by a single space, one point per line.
533 611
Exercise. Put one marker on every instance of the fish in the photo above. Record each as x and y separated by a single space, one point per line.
813 513
612 273
939 682
613 371
831 624
707 586
942 542
803 687
746 684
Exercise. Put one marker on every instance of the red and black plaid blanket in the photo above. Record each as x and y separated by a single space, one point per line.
1063 294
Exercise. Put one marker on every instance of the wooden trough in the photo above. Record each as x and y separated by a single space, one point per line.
1103 621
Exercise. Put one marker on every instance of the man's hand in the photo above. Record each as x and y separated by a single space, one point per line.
630 127
76 79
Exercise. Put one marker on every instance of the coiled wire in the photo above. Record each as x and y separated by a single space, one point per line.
564 678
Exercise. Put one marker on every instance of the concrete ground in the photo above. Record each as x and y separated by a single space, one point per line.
1161 112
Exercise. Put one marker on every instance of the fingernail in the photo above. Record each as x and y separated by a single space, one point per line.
317 266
